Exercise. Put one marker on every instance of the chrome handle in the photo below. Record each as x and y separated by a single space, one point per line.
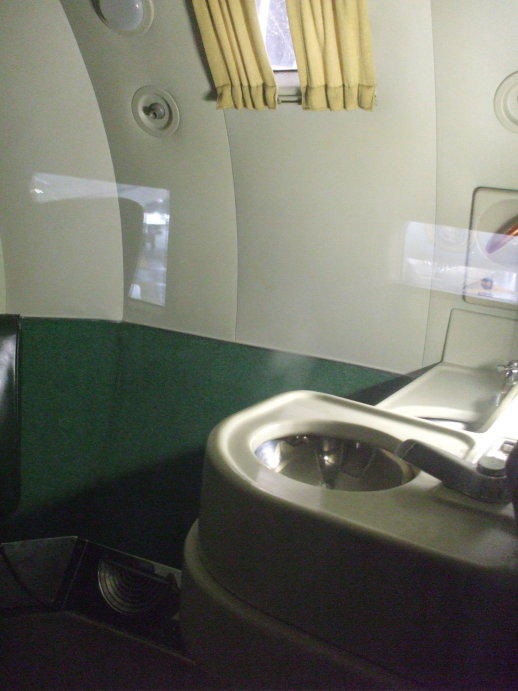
486 481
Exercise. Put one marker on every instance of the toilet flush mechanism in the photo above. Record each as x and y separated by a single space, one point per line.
155 111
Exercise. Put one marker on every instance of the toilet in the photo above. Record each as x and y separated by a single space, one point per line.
247 648
290 583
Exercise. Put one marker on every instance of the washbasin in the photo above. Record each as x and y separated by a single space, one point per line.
381 562
455 396
338 463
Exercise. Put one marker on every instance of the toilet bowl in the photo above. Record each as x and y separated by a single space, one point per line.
286 576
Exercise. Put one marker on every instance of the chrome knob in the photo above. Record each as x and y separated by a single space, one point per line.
155 111
510 371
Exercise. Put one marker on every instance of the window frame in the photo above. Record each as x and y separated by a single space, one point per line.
288 86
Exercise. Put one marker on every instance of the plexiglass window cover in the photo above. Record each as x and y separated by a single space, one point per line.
273 19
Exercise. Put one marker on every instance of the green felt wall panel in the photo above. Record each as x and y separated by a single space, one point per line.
115 418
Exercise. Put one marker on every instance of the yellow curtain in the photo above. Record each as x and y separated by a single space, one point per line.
332 44
236 54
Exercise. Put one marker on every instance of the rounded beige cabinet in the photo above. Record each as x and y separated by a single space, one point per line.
323 560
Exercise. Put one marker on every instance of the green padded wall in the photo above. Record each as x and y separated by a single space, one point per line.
115 418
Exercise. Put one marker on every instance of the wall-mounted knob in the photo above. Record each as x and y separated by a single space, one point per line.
510 372
155 111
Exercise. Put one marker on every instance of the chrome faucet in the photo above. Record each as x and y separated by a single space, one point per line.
510 372
485 480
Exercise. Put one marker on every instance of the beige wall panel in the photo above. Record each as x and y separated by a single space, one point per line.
192 166
289 224
475 49
62 248
323 201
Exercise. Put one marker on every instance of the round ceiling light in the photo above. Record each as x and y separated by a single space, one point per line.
126 16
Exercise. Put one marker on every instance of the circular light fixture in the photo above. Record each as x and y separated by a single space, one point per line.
126 16
506 102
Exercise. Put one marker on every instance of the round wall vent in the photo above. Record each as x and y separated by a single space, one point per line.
155 111
506 102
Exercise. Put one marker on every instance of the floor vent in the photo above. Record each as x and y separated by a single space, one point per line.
128 593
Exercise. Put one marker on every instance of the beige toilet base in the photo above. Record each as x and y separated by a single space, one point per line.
249 649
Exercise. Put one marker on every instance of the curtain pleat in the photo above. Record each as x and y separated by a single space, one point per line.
236 54
332 44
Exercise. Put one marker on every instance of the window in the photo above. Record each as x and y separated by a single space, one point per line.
273 20
333 50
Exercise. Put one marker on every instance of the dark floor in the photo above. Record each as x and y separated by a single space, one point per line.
65 651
